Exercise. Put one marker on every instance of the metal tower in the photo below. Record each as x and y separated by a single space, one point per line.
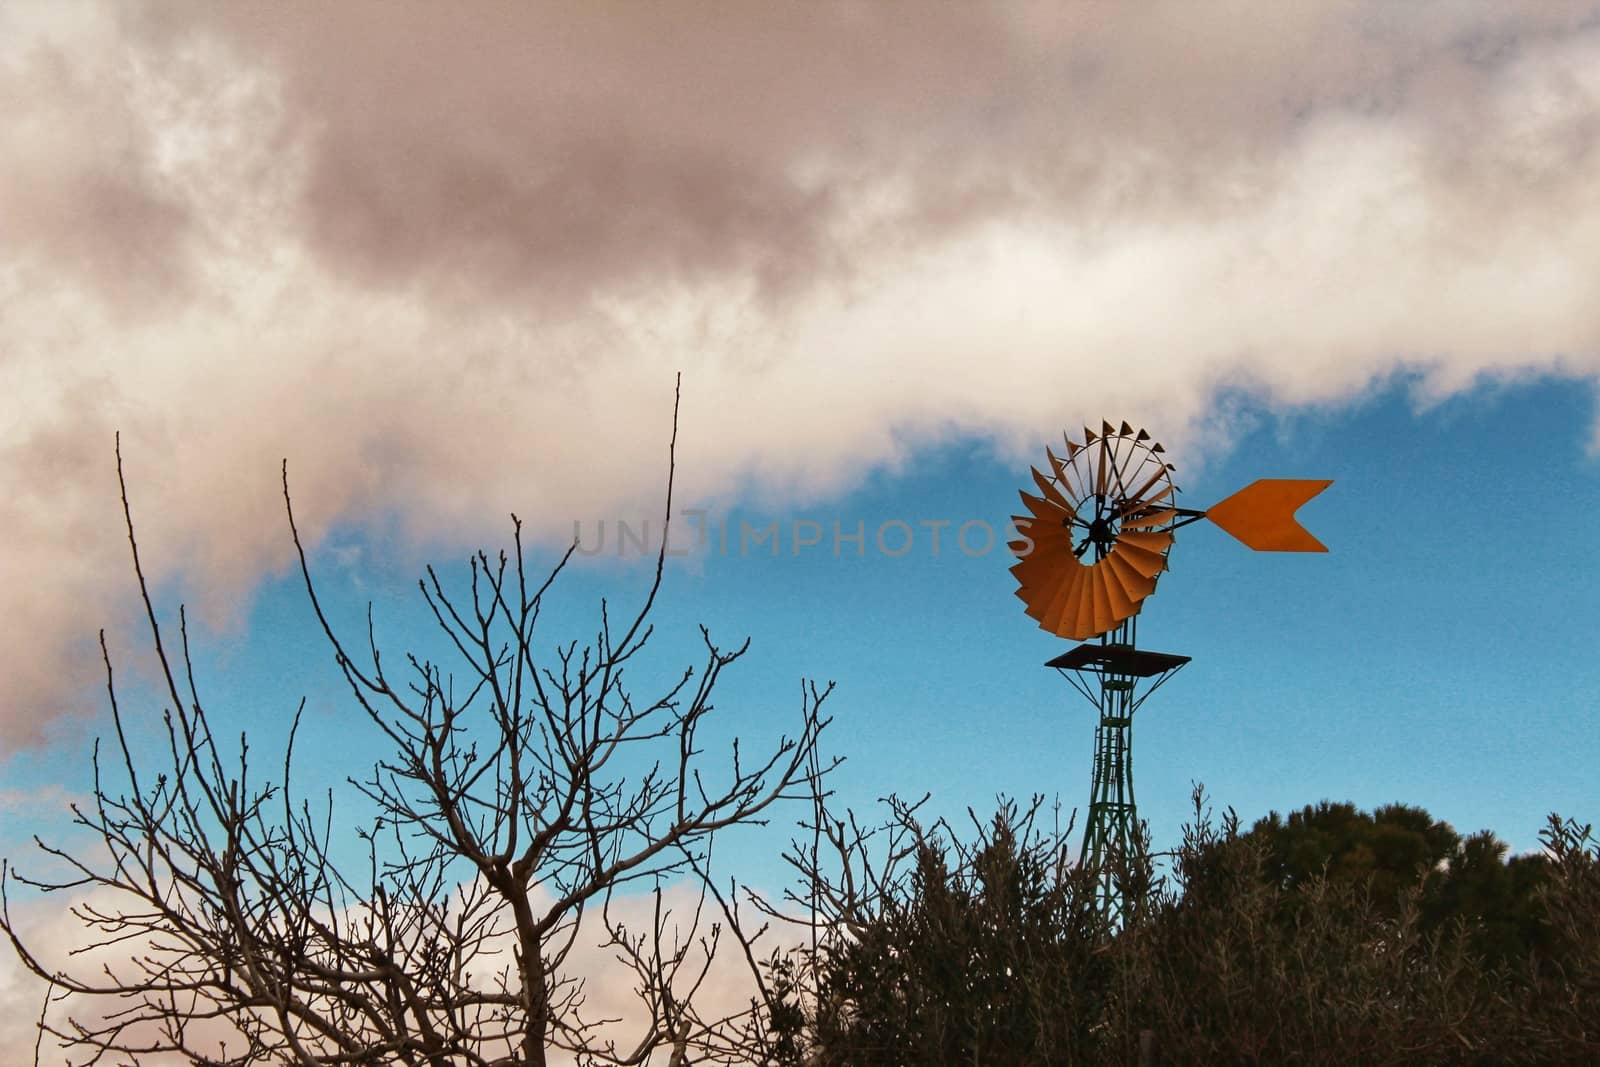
1116 677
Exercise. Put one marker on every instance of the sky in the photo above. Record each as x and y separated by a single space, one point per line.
449 268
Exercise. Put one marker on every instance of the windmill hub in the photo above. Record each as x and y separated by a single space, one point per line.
1103 531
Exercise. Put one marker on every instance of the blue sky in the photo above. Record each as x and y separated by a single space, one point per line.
450 270
1440 654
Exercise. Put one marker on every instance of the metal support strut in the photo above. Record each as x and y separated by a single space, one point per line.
1109 673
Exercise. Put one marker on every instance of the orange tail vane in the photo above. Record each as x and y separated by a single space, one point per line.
1262 514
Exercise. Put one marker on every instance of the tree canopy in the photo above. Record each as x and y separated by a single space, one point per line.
1331 936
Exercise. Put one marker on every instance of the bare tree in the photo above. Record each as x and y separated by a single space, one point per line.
516 797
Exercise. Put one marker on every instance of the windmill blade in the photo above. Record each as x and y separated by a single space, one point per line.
1065 473
1136 504
1147 564
1050 541
1137 498
1103 615
1060 610
1123 465
1028 528
1078 621
1050 491
1030 596
1156 541
1102 470
1261 515
1040 543
1122 605
1152 519
1055 599
1048 575
1046 554
1042 587
1133 582
1042 510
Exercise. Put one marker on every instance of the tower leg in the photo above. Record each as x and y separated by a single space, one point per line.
1111 834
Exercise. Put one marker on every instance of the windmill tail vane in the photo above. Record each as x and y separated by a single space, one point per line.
1261 515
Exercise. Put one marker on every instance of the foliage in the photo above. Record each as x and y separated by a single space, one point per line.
1396 851
1564 1008
1332 937
989 957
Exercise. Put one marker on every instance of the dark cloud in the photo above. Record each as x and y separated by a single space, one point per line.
448 262
558 149
83 202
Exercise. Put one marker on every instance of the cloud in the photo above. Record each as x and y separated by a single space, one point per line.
610 1001
448 264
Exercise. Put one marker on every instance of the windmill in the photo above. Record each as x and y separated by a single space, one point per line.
1092 546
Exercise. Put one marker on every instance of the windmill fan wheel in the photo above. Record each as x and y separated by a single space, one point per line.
1096 538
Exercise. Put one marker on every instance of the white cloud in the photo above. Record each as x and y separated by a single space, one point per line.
448 265
61 942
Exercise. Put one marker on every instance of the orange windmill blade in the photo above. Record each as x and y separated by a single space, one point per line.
1096 537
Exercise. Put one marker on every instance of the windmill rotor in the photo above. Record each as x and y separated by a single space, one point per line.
1095 539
